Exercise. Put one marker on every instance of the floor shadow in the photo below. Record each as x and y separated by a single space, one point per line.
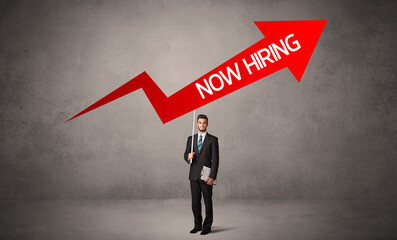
221 229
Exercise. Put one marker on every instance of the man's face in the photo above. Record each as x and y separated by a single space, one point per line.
202 124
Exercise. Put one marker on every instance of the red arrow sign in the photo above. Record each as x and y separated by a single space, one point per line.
286 44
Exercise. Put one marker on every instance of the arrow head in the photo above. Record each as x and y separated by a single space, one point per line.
307 33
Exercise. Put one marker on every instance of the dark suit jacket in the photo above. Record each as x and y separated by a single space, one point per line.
208 156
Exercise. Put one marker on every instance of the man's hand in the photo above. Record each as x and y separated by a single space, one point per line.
209 181
190 156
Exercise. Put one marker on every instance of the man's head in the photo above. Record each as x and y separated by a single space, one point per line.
202 123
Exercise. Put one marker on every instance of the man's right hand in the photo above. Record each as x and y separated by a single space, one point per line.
190 156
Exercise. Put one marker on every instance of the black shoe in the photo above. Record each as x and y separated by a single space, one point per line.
205 231
194 230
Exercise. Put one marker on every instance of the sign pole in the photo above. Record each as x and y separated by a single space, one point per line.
191 149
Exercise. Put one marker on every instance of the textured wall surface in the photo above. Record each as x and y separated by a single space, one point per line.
331 136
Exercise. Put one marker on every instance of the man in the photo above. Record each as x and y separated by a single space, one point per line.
205 153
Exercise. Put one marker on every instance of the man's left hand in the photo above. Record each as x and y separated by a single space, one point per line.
209 181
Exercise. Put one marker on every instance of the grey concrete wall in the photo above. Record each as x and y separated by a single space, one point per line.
331 136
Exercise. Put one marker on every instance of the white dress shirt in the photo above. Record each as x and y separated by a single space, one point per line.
198 137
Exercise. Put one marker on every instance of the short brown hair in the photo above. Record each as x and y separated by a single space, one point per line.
202 116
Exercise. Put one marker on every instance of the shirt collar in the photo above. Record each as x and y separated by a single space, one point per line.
204 134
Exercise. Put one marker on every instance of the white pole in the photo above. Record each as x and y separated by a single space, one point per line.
191 150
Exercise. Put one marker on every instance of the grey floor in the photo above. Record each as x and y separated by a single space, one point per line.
172 219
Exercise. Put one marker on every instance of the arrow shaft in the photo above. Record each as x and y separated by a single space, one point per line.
169 108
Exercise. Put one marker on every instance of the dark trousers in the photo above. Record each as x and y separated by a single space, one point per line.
198 187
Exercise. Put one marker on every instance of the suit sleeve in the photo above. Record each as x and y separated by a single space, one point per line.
187 151
214 159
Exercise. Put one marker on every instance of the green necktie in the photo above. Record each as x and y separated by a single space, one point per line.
200 143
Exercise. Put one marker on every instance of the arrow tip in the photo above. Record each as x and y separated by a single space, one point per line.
306 33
